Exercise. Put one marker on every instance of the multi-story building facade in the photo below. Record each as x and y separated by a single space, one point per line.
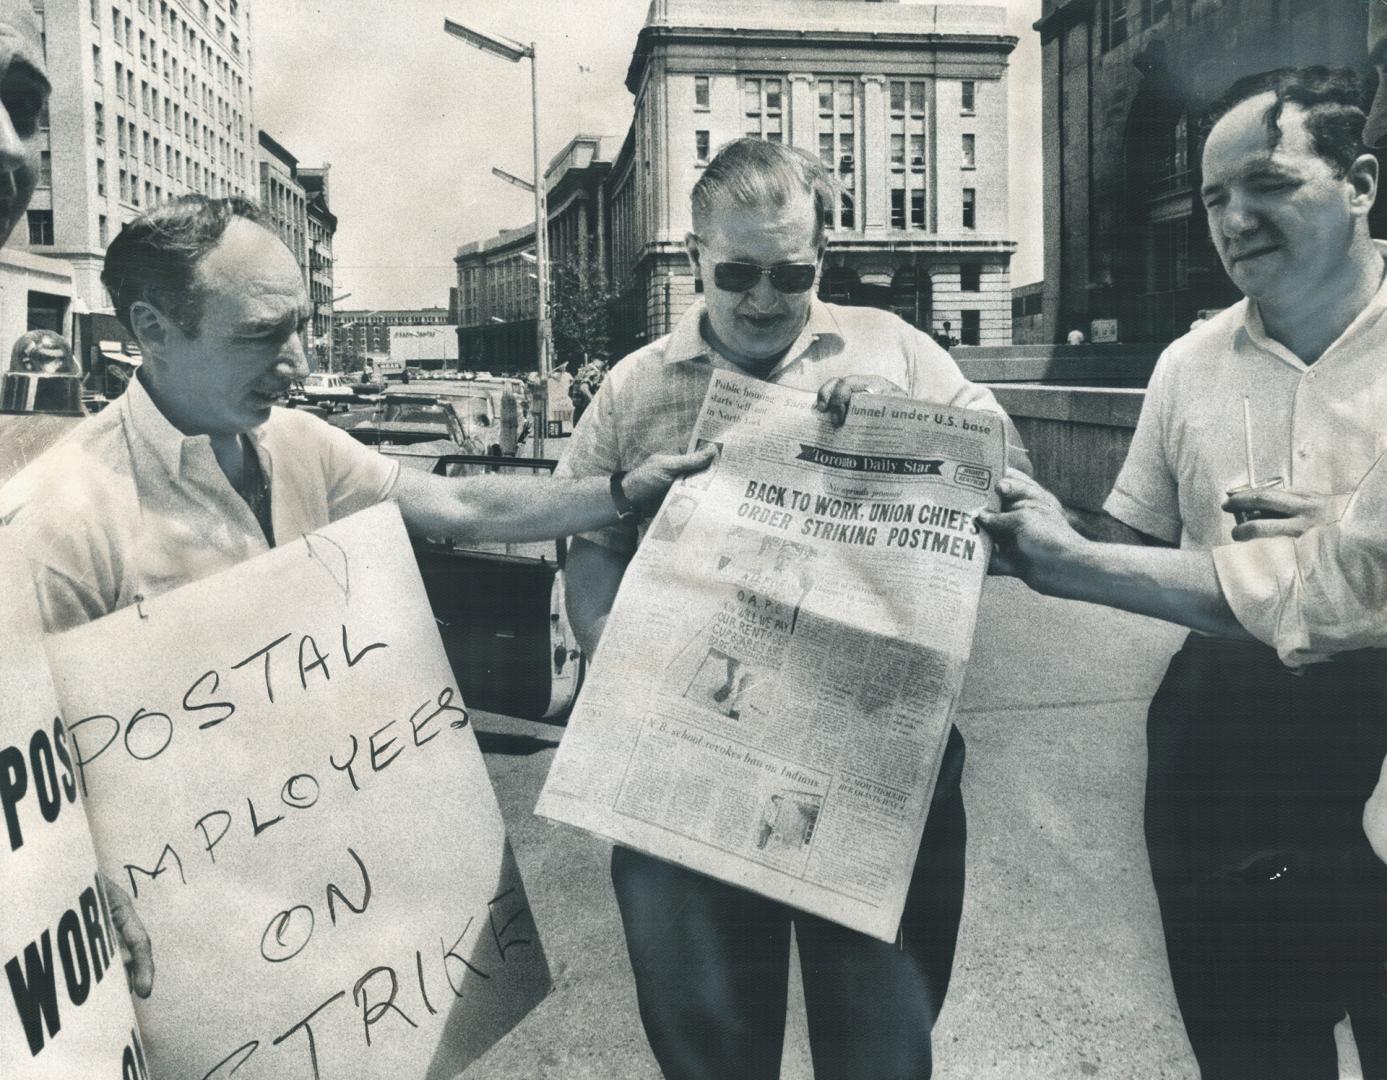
497 278
1126 86
358 334
905 103
497 295
322 227
151 99
283 196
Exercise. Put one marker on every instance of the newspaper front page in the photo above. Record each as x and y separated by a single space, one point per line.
777 677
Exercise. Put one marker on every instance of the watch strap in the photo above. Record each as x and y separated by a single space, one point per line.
625 509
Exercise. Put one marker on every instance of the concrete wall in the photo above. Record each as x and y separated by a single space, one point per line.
1059 365
1078 436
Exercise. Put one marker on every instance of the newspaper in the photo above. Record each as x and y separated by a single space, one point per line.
777 677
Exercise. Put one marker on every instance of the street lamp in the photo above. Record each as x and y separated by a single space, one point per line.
514 51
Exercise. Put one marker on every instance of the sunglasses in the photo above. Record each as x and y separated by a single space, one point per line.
785 277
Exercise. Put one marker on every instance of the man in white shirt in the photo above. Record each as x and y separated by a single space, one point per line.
194 469
1273 903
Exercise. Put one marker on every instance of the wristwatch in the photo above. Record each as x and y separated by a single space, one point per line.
625 509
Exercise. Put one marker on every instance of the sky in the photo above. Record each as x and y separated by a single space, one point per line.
412 121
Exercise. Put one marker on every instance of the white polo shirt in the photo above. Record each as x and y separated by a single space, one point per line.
1319 593
127 506
1319 427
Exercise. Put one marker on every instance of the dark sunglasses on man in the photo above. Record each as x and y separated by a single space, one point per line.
785 277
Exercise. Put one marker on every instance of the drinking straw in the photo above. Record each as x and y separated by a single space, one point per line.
1247 440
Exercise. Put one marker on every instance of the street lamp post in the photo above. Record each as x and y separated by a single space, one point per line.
514 51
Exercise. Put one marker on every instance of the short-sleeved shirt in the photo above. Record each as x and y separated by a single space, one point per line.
1319 427
1320 593
126 506
649 401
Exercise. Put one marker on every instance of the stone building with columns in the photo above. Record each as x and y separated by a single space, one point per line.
905 103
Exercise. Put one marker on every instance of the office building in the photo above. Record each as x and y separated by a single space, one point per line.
359 335
905 103
151 99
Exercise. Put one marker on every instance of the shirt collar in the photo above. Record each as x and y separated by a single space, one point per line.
686 340
169 446
1256 330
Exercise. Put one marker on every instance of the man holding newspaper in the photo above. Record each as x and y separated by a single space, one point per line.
711 960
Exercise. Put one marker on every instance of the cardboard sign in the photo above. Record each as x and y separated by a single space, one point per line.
279 769
64 1006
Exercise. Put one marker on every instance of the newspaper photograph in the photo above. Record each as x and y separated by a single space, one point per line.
776 682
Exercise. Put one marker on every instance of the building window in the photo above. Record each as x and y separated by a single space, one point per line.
898 208
971 331
917 99
103 230
100 123
701 147
40 227
764 109
96 11
897 92
826 148
845 211
96 62
968 96
970 202
898 150
1115 25
917 209
45 168
100 176
970 277
702 95
917 153
969 151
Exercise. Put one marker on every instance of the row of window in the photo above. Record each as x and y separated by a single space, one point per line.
182 36
165 156
838 150
765 95
227 115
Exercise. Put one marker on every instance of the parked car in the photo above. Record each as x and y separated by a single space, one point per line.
492 410
326 387
427 426
500 611
499 607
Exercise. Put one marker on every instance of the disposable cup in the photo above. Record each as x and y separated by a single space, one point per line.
1241 516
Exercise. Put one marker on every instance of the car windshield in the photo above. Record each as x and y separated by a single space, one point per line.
411 413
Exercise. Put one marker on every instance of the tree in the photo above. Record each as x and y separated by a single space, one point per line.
581 308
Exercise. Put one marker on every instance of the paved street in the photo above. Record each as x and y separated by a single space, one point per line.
1060 971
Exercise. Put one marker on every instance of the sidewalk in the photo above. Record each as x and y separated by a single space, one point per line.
1060 971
